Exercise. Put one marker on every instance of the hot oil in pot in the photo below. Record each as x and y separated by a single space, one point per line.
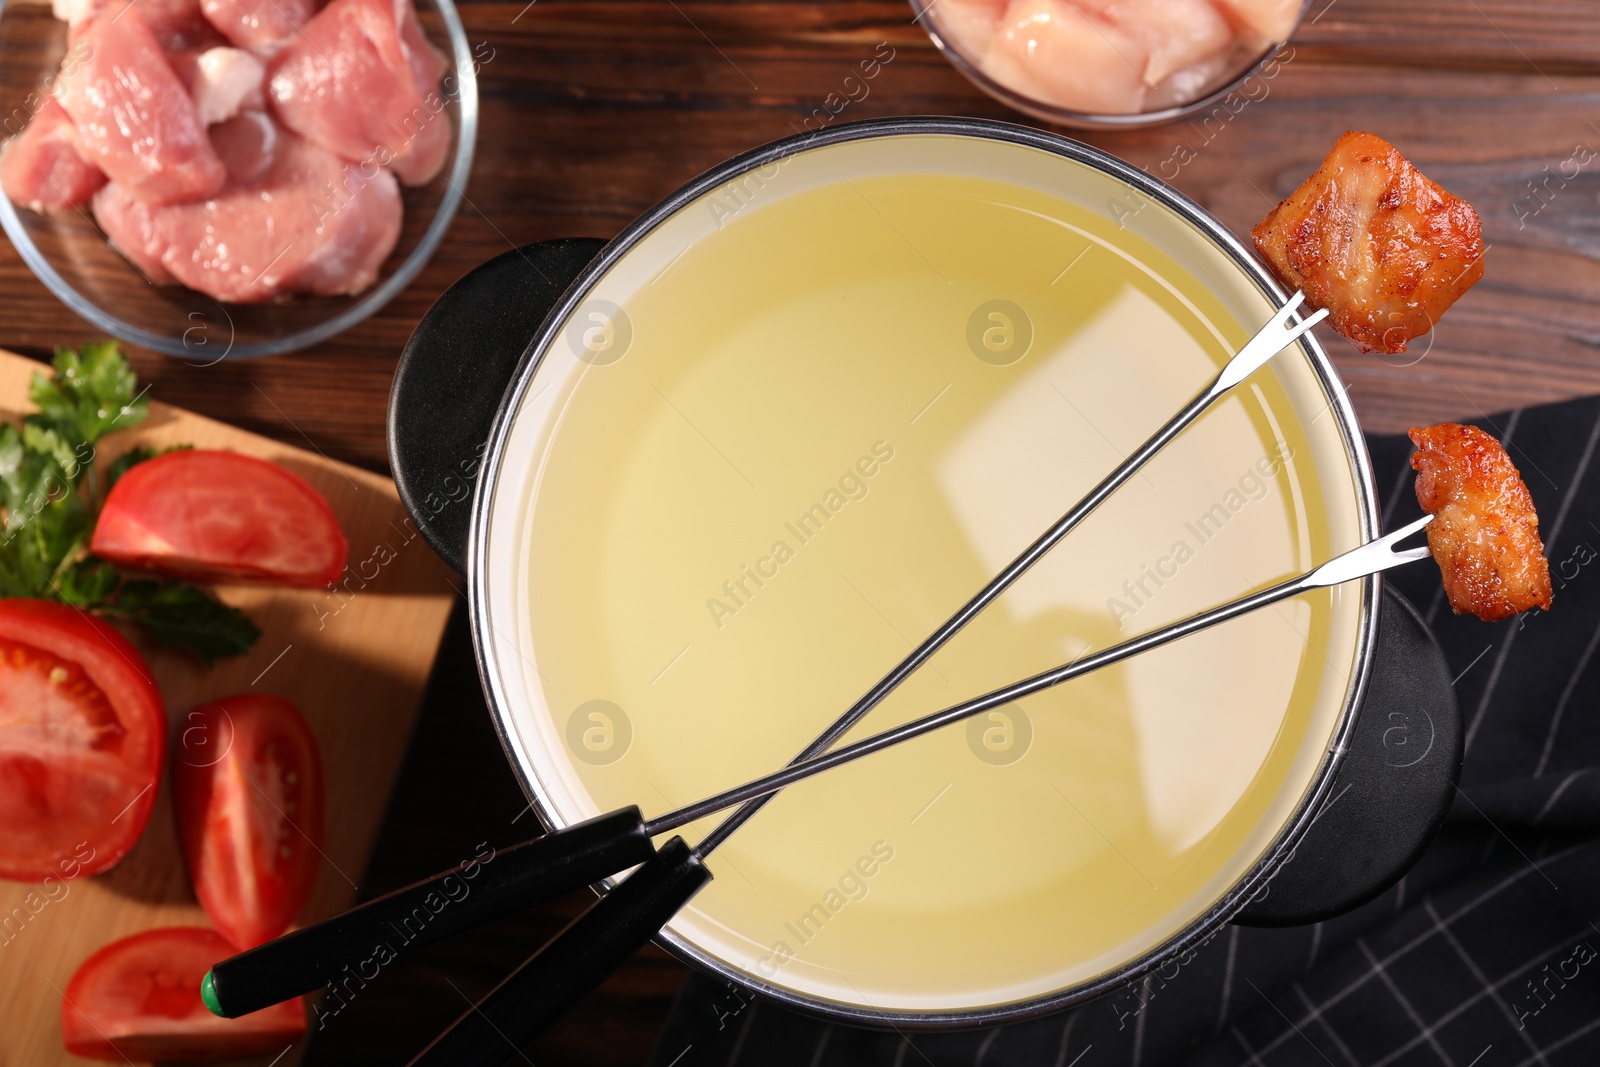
832 420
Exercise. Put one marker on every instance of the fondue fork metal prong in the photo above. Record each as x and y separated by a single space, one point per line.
1278 334
599 941
1371 558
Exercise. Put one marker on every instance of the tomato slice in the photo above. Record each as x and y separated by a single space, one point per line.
247 781
220 516
138 1000
82 739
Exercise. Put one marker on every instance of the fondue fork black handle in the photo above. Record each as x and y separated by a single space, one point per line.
583 955
488 887
576 961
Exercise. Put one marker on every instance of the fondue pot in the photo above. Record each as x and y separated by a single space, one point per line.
587 429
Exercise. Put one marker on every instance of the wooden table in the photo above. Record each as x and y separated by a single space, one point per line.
595 109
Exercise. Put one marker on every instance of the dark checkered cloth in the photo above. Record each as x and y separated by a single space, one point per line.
1486 955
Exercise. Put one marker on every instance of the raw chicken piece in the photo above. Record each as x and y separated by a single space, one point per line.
309 224
177 24
361 80
222 81
968 25
135 120
259 25
1189 83
1371 239
1178 33
1052 51
41 168
1263 22
1485 532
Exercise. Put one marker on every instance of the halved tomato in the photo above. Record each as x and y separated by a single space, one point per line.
138 1000
247 782
82 738
220 516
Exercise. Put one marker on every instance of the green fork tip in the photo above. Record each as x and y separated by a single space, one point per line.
208 994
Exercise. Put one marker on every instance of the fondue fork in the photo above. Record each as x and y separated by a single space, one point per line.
492 1032
585 853
618 924
1371 558
1277 335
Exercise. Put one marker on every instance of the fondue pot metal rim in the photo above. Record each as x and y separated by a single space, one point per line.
1355 448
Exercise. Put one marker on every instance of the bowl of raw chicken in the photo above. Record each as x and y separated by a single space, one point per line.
232 178
1109 63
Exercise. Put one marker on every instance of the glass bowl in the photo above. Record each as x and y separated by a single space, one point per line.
74 260
1235 69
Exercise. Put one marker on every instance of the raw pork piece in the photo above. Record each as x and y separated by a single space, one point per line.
177 24
222 81
309 224
41 168
362 81
259 25
135 119
134 234
246 145
1052 51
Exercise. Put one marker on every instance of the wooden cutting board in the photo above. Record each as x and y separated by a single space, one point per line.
354 662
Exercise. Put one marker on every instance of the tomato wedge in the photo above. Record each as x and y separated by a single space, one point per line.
247 781
82 739
138 1000
220 516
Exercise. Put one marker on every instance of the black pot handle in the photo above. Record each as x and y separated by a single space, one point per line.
1392 792
454 372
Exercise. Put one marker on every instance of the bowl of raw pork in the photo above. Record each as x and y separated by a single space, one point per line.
1096 64
219 179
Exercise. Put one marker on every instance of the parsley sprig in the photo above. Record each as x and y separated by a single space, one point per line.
52 487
